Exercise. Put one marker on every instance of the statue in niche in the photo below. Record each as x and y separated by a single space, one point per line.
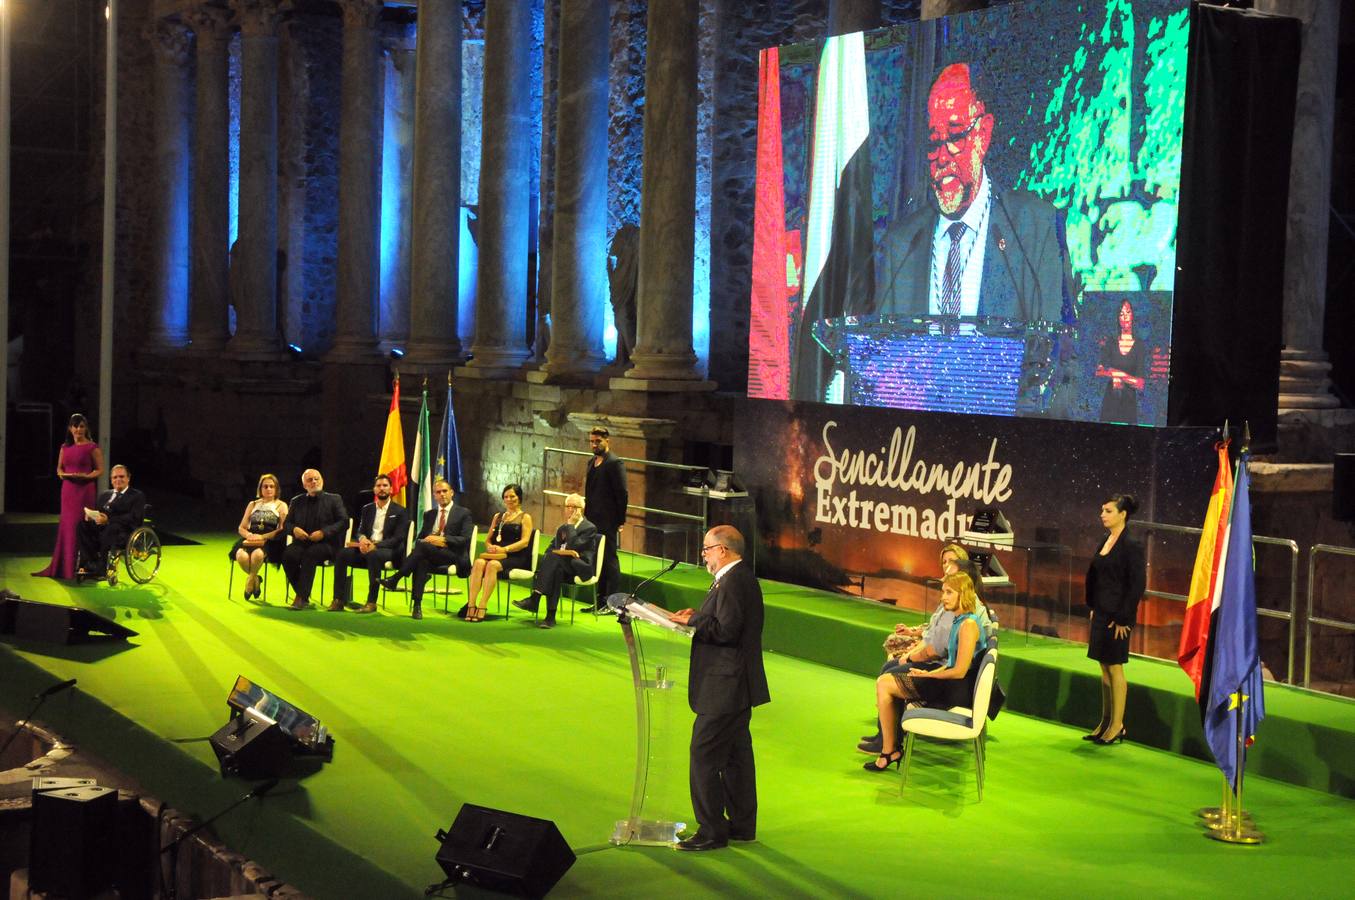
623 275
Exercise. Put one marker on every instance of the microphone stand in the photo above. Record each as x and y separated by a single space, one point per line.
171 890
631 597
38 699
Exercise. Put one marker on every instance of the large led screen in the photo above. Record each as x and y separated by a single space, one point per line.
975 214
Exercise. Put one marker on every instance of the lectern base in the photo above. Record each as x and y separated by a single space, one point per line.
647 832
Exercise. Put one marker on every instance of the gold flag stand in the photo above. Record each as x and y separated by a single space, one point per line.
1230 823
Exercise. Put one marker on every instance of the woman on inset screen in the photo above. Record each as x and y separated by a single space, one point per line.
950 685
507 547
79 463
1115 583
261 538
1122 363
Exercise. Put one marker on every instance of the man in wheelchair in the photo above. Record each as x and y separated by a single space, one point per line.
117 513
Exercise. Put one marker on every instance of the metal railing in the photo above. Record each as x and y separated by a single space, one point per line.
1289 617
1313 553
699 520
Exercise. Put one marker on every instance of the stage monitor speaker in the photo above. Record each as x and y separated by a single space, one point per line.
251 749
52 624
503 851
73 848
1343 487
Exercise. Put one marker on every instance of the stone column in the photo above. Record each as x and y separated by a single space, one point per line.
850 16
436 188
254 261
169 248
359 183
1304 369
663 354
505 194
210 220
579 252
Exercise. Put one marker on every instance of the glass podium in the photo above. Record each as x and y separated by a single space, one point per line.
660 655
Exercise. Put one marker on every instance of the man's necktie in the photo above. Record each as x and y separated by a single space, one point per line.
442 520
950 282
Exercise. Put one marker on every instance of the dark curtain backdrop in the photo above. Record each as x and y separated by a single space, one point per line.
1228 323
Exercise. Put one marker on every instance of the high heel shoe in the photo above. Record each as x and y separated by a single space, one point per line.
1118 739
1096 733
891 759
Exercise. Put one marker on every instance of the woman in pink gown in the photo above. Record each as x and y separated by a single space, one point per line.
78 465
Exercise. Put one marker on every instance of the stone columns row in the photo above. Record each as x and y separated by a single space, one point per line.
208 250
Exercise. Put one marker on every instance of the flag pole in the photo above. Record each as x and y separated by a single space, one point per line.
1238 828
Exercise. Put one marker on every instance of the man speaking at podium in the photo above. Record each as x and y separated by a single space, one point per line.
977 248
726 681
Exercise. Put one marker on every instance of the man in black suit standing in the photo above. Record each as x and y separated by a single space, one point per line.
725 683
444 540
118 512
573 553
316 520
382 528
605 495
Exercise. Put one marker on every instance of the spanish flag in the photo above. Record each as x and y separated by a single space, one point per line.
392 462
1206 580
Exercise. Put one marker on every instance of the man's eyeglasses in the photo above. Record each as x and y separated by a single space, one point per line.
952 141
708 547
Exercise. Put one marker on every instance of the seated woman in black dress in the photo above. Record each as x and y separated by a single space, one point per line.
950 685
507 547
1115 582
260 531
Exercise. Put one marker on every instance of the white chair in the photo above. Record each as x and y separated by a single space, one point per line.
591 581
956 723
449 571
391 566
520 575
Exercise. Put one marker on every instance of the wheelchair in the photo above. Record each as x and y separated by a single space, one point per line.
140 556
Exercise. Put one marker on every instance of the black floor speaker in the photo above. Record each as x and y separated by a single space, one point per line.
51 624
73 849
251 749
503 851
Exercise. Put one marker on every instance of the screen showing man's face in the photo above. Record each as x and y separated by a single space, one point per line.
958 135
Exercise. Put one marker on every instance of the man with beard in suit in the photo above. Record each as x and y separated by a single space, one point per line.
118 512
443 541
382 528
316 520
572 554
606 496
725 683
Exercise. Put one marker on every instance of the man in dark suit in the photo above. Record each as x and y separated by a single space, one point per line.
572 554
443 541
317 521
382 529
974 248
725 683
605 495
118 512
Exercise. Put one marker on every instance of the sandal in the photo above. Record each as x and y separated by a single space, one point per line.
475 614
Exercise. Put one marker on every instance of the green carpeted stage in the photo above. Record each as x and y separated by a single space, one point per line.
428 715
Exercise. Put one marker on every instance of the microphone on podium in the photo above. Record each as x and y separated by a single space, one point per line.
620 599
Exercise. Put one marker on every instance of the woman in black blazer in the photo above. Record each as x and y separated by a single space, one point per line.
1115 583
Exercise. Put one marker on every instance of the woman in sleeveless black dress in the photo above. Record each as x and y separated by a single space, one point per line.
507 547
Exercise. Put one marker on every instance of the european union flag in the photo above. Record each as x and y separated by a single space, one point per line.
1235 671
447 464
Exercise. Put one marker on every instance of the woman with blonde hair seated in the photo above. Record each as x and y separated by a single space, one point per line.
260 531
950 685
